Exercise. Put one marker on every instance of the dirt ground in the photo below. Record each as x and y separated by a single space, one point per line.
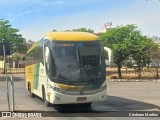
131 73
127 73
13 70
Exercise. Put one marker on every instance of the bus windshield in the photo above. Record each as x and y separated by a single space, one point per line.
76 62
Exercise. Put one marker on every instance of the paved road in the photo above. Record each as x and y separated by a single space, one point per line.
122 96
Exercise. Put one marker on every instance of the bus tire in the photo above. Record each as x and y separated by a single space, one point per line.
87 104
44 98
29 89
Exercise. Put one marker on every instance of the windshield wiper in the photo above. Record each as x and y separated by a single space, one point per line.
79 62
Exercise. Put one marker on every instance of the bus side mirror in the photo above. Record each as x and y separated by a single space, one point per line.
47 55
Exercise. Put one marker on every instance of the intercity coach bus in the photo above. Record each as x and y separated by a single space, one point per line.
66 68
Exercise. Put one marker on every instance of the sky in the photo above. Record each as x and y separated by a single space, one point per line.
34 18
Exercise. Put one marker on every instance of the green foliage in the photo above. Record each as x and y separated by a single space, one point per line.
141 51
128 62
82 30
155 54
120 40
11 35
127 41
16 57
155 58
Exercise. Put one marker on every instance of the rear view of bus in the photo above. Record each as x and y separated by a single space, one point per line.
69 68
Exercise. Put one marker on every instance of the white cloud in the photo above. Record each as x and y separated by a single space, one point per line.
60 2
14 2
13 17
146 18
46 3
87 20
20 14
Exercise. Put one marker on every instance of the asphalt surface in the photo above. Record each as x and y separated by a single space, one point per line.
122 96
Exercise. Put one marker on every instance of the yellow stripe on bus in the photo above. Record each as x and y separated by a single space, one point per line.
29 71
71 36
68 36
69 87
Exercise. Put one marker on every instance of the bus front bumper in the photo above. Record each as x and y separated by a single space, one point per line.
59 98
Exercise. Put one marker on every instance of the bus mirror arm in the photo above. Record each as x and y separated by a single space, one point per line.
47 55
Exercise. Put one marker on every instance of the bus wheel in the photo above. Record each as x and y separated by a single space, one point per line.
29 89
87 104
44 98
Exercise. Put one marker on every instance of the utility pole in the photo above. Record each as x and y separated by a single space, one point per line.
4 51
5 69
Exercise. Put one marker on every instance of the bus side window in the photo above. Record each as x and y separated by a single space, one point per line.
40 52
45 43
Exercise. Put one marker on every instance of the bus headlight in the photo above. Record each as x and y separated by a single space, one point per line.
103 87
54 88
60 90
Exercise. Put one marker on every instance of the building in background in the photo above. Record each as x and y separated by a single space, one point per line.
30 43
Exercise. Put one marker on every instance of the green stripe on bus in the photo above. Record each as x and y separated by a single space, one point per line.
36 76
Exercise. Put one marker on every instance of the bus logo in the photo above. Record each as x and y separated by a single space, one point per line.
82 92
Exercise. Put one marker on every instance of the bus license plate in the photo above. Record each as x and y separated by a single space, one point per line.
81 99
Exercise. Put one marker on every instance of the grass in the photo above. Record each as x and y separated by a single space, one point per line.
131 73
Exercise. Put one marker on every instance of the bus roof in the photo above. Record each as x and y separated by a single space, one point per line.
68 36
71 36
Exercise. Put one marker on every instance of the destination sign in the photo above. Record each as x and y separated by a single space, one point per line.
65 44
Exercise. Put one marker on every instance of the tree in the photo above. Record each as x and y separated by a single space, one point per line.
118 39
17 57
82 30
155 57
127 41
11 35
141 51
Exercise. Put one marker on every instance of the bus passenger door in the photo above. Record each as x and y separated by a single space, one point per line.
46 65
48 72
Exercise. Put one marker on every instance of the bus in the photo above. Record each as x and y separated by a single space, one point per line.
67 68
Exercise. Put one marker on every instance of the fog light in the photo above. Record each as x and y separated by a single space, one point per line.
103 88
58 98
48 95
102 97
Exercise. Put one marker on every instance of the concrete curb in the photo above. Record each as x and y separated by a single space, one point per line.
2 78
